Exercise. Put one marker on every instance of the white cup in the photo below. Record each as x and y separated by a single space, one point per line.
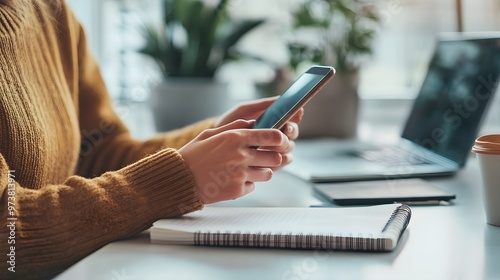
487 148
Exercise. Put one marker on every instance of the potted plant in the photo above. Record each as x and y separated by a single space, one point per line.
337 33
193 41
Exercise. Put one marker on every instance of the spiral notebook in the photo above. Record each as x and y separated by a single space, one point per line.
370 228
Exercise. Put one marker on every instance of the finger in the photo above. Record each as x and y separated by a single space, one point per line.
248 188
265 138
291 130
258 174
261 158
280 149
286 159
263 102
297 117
237 124
254 109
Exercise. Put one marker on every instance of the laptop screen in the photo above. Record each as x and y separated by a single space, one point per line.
461 79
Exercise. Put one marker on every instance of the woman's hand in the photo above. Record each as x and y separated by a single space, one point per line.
253 109
225 163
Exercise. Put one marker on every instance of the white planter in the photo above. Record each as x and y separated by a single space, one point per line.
178 102
333 112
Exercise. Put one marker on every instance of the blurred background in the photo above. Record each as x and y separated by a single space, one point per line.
390 44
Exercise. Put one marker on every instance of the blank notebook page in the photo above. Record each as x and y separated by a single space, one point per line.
356 221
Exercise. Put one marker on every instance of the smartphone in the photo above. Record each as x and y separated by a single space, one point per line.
295 97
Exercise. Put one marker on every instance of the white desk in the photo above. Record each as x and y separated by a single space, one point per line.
441 242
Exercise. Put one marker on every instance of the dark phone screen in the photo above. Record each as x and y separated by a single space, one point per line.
288 100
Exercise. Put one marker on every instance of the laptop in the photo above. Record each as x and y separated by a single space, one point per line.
440 130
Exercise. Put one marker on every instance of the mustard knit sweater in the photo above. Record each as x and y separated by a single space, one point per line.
71 177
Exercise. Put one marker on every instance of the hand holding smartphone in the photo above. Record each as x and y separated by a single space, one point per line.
295 97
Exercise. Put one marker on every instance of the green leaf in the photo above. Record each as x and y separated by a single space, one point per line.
239 29
190 15
348 31
304 18
213 20
207 44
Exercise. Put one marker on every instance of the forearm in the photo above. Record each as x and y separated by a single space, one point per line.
110 147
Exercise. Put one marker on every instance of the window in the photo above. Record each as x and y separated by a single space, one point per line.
406 41
395 70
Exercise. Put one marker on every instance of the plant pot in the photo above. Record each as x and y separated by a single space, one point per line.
177 102
333 112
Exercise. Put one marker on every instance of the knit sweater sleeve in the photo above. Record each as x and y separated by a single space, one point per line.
53 227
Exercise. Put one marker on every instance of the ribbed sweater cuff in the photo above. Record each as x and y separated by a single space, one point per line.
165 184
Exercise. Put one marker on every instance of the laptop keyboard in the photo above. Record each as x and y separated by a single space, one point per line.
393 156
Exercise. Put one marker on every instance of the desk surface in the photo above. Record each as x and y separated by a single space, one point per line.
441 242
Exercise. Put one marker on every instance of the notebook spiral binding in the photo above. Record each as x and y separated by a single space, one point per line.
399 220
397 223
